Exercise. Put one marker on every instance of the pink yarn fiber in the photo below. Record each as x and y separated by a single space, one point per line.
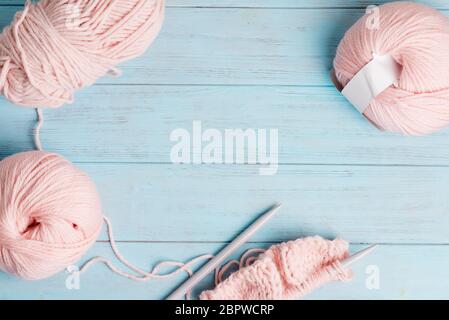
286 271
417 37
55 47
50 214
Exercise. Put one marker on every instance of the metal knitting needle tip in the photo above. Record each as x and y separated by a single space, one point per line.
358 256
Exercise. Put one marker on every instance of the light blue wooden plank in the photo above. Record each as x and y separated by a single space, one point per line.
213 203
273 3
133 124
406 272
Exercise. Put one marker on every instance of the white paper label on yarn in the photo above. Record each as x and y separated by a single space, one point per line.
379 74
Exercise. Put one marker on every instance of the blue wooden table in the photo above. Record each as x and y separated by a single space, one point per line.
246 64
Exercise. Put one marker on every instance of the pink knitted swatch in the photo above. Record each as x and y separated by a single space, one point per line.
286 271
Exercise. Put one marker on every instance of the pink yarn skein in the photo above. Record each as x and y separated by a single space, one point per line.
50 214
55 47
417 37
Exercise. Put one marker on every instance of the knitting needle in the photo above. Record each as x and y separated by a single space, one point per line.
358 256
223 255
348 262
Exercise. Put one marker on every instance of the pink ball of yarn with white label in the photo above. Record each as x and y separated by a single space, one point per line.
417 37
55 47
50 214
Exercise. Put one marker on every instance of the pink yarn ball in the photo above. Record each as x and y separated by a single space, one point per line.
417 37
50 214
55 47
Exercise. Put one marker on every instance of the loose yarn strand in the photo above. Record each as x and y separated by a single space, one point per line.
142 276
245 260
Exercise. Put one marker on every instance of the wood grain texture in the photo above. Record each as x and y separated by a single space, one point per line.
404 274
